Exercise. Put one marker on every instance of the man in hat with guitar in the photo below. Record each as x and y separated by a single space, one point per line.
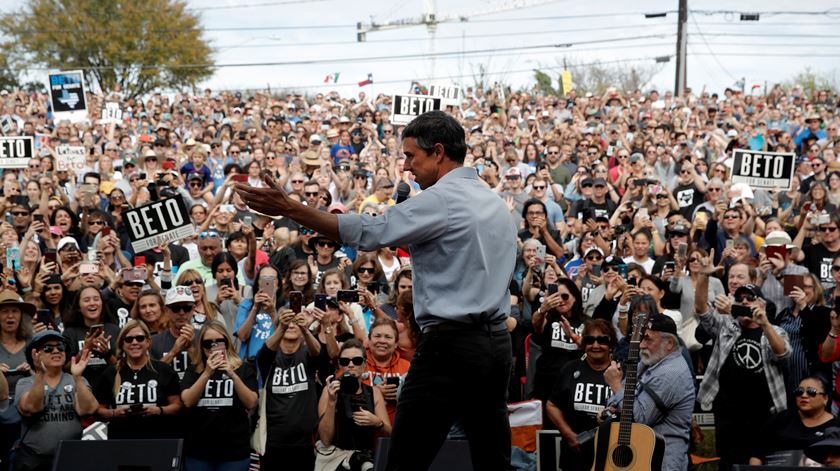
664 394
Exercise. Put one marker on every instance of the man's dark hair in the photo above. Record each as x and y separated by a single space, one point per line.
437 127
92 175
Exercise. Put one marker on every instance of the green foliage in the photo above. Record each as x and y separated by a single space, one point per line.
127 46
544 83
812 81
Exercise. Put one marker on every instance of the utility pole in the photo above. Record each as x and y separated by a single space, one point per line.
682 42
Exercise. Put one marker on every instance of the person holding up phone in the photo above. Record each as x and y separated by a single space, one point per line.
385 366
138 395
218 392
90 325
255 318
746 362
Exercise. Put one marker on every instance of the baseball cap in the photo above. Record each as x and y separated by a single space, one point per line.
179 294
513 172
635 157
778 238
314 138
64 242
41 338
593 249
599 182
337 208
662 323
749 289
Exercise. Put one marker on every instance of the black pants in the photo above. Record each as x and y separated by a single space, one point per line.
454 374
288 458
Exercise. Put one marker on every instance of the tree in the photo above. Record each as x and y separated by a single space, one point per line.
812 81
126 46
596 77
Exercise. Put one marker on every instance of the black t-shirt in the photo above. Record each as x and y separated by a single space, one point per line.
162 344
581 393
818 260
119 307
292 402
688 197
557 349
785 431
218 427
98 361
742 376
151 386
588 209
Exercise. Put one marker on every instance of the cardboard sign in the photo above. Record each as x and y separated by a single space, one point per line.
70 158
452 94
408 107
566 82
763 169
67 96
7 124
111 113
15 152
155 223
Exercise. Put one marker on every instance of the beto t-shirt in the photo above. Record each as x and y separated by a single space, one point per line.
58 421
162 344
218 427
581 393
818 260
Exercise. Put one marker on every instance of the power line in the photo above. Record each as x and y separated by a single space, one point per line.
770 35
772 54
338 60
702 38
254 5
418 39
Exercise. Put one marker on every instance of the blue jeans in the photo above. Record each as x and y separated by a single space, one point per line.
454 375
201 465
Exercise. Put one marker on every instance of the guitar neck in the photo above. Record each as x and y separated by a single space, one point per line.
629 394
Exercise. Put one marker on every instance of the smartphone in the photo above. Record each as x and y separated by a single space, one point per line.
218 347
268 286
321 301
741 311
773 250
631 281
226 282
141 176
682 250
540 258
623 269
730 243
13 258
552 288
596 270
227 208
296 301
792 280
106 231
671 265
50 256
240 178
702 217
96 329
348 296
167 165
38 217
139 260
373 287
87 268
134 274
642 213
88 188
247 221
135 408
393 380
44 316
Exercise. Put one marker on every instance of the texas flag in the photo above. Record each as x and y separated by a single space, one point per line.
367 82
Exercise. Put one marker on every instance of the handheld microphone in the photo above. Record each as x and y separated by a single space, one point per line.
403 192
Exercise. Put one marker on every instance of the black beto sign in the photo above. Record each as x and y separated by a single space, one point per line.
763 169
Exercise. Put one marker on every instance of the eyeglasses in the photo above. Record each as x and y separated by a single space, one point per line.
48 348
96 223
623 156
35 166
553 152
324 243
590 339
835 268
306 231
594 258
661 196
190 282
828 229
209 235
609 268
539 187
195 184
134 338
693 259
234 152
746 298
387 131
810 391
815 164
20 213
731 216
181 308
685 172
207 344
713 189
297 181
311 193
565 296
344 361
367 270
535 213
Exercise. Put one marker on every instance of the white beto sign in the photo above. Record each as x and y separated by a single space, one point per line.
155 223
15 152
70 158
408 107
452 94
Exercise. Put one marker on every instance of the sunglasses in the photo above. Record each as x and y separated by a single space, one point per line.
746 298
96 223
181 308
609 268
565 296
593 258
297 181
661 196
195 184
190 282
367 270
326 244
306 231
209 235
835 268
730 216
344 361
311 193
539 187
50 347
207 344
713 189
134 338
591 339
828 229
20 213
810 391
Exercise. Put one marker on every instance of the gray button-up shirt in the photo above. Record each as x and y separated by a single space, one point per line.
462 241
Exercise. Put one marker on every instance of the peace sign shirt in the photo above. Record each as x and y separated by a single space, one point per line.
742 376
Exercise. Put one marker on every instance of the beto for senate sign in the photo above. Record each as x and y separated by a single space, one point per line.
762 169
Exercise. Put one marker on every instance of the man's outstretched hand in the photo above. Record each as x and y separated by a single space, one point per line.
271 200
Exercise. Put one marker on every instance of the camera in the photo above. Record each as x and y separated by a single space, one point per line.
361 460
349 384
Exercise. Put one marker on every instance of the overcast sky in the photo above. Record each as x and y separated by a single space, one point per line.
740 48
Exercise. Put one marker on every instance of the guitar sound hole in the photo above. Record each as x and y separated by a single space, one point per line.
622 456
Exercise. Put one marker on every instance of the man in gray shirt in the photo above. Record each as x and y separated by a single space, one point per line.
463 246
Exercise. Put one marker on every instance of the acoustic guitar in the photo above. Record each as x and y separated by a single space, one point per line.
625 445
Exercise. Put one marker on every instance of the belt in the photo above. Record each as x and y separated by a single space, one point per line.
465 327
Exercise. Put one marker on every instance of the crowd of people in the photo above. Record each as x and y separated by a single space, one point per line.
260 334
